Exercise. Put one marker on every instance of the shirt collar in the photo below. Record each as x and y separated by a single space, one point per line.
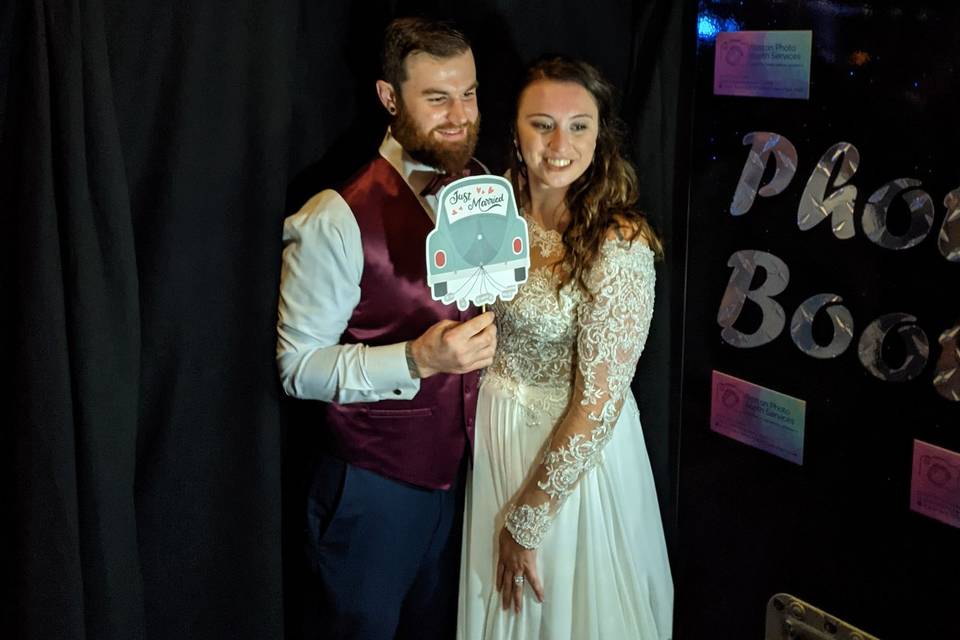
415 174
405 165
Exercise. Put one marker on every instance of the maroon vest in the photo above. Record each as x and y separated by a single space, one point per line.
419 441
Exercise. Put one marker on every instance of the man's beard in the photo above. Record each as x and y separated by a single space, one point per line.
424 147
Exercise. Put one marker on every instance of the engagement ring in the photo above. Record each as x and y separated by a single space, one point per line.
518 580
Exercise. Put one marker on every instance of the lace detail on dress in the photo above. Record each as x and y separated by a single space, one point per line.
547 241
588 348
528 525
564 466
540 405
536 332
614 327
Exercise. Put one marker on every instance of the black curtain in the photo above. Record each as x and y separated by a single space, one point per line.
72 332
148 154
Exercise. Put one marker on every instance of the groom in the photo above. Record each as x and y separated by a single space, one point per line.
358 330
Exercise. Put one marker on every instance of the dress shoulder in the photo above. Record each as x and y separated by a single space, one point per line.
623 267
629 231
622 250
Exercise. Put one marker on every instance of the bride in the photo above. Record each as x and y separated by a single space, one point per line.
562 532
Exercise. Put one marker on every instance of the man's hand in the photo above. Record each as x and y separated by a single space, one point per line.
455 347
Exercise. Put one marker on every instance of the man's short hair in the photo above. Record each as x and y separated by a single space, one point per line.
411 35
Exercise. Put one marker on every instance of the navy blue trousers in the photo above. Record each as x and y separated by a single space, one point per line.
385 554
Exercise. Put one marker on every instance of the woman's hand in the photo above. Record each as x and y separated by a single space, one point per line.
516 562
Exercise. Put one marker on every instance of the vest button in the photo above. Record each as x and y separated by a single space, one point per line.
397 392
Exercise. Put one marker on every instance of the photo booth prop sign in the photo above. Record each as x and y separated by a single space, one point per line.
479 250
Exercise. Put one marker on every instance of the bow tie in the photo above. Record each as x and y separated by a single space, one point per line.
440 180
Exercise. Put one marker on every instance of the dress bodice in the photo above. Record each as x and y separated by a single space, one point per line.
537 331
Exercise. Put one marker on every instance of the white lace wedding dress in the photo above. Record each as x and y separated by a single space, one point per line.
574 484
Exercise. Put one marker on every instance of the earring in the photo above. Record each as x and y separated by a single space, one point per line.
392 110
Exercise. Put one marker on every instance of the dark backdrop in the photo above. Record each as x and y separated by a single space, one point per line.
836 531
152 473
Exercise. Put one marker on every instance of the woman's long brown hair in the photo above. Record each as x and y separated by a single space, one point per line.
603 198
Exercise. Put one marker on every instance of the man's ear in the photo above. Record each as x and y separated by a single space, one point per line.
388 97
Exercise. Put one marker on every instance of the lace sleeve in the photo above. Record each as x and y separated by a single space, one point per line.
612 330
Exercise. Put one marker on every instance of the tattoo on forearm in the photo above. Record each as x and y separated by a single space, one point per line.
411 363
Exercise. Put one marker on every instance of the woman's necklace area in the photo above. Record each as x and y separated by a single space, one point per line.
547 241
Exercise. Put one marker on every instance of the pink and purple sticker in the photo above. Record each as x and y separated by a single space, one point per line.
935 483
763 64
762 418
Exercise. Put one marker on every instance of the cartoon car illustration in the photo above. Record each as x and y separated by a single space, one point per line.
478 250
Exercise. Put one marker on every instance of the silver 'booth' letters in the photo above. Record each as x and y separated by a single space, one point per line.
745 265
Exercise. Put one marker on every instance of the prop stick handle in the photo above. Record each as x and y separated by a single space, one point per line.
483 308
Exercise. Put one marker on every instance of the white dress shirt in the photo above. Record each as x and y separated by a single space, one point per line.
319 289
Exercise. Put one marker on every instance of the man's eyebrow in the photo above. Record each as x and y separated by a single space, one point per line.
442 92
